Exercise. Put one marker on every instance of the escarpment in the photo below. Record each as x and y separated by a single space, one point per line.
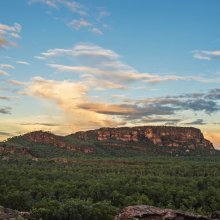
191 138
122 141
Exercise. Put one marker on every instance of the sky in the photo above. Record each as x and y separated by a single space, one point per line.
70 65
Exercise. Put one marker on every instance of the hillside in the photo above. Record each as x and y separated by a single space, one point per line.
111 142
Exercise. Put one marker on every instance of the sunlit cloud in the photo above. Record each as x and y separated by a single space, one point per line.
101 84
8 34
40 123
77 24
3 73
67 95
108 109
15 82
6 66
7 134
113 75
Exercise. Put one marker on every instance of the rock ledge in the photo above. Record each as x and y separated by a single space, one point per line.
145 212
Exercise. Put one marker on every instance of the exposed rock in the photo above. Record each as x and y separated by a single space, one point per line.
145 212
10 214
55 140
8 149
48 138
185 137
215 215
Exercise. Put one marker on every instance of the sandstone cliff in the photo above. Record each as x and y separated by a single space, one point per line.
123 141
189 137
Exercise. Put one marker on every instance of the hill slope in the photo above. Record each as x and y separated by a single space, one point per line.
111 142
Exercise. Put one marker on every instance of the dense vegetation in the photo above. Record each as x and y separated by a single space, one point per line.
94 189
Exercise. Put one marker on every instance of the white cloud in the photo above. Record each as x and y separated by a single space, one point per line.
103 14
22 62
73 6
97 31
15 35
206 55
16 28
52 53
77 24
7 66
95 14
81 50
79 69
3 73
113 75
50 3
15 82
104 67
101 84
8 33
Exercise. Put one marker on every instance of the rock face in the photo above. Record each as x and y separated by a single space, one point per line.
6 149
51 139
145 212
48 138
10 214
215 215
189 137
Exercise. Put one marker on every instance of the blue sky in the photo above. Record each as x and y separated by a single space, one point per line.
75 65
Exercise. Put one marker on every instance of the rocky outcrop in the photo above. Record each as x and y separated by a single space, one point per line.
7 149
191 138
43 137
10 214
145 212
215 215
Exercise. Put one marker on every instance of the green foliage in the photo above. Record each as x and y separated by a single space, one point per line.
96 189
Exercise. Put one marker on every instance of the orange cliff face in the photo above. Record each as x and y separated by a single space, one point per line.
189 137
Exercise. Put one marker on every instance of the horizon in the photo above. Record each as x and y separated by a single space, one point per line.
67 66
